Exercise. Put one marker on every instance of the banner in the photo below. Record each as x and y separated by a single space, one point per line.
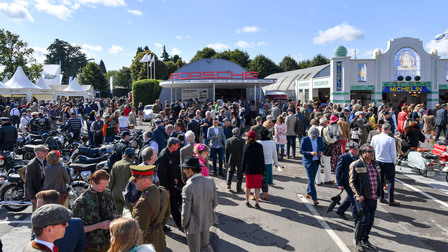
339 76
400 89
440 37
362 72
111 83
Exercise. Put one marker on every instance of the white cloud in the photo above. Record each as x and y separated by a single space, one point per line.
135 12
261 43
39 54
16 11
115 49
178 37
112 3
218 46
248 29
344 32
244 44
158 45
175 51
440 47
92 48
60 11
188 37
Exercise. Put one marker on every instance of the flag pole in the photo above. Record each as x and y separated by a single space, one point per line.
154 67
147 70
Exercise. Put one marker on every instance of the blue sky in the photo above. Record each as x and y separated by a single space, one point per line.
112 30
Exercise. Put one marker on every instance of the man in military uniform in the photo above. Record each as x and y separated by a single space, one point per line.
119 178
152 210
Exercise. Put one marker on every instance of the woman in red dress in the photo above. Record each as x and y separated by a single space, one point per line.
253 166
402 116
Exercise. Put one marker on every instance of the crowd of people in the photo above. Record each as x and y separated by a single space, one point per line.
169 172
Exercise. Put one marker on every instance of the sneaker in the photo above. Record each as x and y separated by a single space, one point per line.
358 246
308 196
395 203
367 244
257 206
384 201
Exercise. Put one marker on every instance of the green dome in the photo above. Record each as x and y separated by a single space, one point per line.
340 51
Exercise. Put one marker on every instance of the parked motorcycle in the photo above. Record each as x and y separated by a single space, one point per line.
421 160
12 192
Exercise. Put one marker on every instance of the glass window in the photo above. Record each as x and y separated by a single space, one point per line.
406 63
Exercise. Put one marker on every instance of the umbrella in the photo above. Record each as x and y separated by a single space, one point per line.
358 225
334 200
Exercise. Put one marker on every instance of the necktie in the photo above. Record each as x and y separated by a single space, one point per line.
55 249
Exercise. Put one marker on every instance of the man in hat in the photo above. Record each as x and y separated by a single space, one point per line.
362 124
74 125
258 127
15 114
199 199
123 144
148 142
35 174
152 210
119 178
159 134
342 179
312 148
8 135
167 176
48 224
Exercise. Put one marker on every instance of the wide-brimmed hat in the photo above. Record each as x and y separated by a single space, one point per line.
191 162
333 119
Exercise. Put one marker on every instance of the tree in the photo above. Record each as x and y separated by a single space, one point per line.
92 75
288 64
239 57
205 53
103 67
176 58
165 55
70 57
319 59
123 78
145 91
263 65
14 53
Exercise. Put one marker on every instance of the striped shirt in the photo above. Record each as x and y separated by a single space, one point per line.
75 123
373 179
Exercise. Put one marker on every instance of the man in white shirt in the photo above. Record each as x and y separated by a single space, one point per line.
15 115
386 155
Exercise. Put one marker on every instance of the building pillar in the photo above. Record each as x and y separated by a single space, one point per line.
214 92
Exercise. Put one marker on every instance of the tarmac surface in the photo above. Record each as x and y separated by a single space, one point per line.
289 221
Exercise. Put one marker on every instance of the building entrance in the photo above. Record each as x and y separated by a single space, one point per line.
364 95
230 94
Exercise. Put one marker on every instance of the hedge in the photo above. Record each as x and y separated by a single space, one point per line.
145 91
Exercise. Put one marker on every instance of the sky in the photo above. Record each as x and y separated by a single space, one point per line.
111 30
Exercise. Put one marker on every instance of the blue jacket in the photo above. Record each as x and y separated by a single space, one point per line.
306 147
74 239
342 169
159 135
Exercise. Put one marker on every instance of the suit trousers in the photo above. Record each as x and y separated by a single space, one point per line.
291 143
217 153
239 176
311 174
348 201
327 168
387 177
440 128
175 202
199 242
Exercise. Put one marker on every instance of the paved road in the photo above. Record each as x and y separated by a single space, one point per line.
289 222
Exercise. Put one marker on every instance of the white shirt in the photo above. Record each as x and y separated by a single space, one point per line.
14 112
123 121
47 244
384 147
269 151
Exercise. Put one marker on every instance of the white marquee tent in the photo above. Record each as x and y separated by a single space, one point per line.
20 86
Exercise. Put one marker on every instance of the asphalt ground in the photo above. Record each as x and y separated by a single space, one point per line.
289 221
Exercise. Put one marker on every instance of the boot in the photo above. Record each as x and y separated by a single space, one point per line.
282 153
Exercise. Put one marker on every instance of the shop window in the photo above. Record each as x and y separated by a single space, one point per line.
362 72
406 63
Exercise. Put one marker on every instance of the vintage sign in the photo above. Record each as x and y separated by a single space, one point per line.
399 89
339 76
200 94
213 75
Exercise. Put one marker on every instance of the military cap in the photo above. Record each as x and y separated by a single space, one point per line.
352 145
141 170
158 120
50 214
4 118
129 151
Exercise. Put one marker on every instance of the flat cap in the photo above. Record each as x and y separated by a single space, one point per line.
125 133
173 140
158 120
4 118
129 151
352 145
50 214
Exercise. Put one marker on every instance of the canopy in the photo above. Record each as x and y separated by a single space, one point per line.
42 84
74 87
19 80
5 79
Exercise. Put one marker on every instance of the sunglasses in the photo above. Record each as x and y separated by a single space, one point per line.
370 151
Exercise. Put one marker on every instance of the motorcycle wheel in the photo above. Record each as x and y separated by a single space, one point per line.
28 155
422 172
11 192
75 190
446 177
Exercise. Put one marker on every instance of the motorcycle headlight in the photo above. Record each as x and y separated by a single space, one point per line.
12 155
60 139
72 134
85 175
20 139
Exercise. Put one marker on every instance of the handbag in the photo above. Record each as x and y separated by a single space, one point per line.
327 147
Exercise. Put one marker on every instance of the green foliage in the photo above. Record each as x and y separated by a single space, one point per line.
70 56
139 70
122 78
103 67
205 53
14 53
263 65
175 58
92 75
288 64
165 55
145 91
319 59
239 57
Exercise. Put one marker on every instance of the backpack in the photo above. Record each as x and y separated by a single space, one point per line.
112 159
298 126
130 193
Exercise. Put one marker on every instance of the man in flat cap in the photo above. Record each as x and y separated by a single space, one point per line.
159 134
48 224
8 135
152 210
199 199
342 178
119 178
35 173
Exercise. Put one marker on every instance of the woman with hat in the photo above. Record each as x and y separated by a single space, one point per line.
280 135
253 166
336 133
202 151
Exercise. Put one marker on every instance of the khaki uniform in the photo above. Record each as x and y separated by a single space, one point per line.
119 179
146 211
